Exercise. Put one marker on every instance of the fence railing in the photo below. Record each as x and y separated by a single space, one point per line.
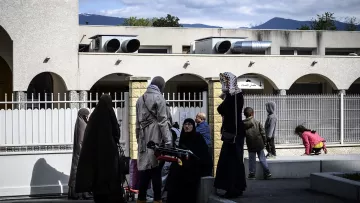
186 105
31 125
35 125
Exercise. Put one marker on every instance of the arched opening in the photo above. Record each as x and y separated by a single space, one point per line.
6 58
46 86
354 88
312 84
253 83
114 84
185 83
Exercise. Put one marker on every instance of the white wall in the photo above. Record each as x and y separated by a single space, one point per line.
178 37
281 71
34 173
41 29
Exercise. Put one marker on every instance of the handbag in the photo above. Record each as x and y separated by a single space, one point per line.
230 137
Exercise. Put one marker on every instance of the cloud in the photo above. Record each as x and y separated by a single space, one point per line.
227 13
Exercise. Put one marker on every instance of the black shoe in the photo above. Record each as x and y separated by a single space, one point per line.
251 176
267 176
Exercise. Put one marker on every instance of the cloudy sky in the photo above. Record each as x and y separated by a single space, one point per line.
224 13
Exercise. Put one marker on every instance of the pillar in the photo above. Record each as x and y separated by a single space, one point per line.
20 97
214 118
83 96
282 92
343 92
73 96
137 87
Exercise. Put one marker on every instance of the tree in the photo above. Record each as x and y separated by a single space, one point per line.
304 27
168 21
325 21
134 21
352 24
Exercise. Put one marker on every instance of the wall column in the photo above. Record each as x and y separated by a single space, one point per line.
73 96
20 97
137 87
83 96
214 118
282 92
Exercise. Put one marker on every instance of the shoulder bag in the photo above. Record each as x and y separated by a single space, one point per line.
230 137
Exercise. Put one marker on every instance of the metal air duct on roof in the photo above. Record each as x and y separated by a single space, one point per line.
250 46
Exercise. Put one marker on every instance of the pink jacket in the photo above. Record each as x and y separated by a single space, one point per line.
310 140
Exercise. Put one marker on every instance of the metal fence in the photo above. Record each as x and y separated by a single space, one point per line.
35 125
335 117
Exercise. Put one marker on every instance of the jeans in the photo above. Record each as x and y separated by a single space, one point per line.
263 162
270 146
145 176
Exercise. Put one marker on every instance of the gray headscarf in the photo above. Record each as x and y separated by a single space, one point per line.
159 82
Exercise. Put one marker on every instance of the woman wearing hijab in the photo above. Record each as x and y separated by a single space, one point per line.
183 181
98 170
80 126
230 173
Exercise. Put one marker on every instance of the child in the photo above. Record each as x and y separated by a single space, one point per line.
255 141
312 141
270 126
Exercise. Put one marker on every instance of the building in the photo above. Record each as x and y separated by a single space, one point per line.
46 56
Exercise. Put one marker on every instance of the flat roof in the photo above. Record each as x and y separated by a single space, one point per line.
96 36
220 37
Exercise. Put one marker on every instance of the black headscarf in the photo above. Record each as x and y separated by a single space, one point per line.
98 169
183 181
195 142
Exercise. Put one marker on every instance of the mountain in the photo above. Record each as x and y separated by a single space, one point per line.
274 23
289 24
93 19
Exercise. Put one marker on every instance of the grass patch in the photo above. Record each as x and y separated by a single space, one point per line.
351 176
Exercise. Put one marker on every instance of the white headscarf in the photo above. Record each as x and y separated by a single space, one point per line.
229 83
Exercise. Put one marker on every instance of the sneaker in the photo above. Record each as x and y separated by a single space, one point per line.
267 176
271 156
251 176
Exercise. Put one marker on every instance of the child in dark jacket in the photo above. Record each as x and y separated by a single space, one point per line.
270 128
255 141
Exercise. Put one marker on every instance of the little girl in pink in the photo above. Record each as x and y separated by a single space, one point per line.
313 142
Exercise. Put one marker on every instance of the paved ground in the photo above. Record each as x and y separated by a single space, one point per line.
259 191
284 191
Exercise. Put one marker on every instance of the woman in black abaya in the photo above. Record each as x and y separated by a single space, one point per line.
98 169
79 131
230 173
183 181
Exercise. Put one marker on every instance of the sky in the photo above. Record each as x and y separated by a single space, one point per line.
224 13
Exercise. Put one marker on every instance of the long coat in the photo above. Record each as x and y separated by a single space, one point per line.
152 124
79 131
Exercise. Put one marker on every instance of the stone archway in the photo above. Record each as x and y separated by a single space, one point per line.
46 86
354 87
186 83
312 84
254 84
6 65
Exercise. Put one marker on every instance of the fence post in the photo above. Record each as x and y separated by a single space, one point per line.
125 121
205 103
342 92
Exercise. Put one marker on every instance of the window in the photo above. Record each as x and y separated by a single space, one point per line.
153 51
286 52
185 49
304 52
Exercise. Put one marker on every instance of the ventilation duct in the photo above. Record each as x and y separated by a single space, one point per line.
130 46
222 47
112 45
248 47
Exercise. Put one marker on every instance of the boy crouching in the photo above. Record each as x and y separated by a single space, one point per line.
255 141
